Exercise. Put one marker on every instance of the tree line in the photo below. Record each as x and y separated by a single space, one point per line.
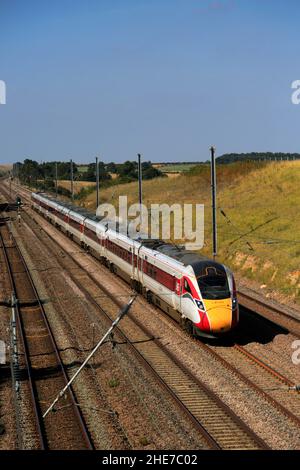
36 174
237 157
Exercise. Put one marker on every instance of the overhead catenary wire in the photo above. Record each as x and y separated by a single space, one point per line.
122 313
250 246
258 239
266 240
129 371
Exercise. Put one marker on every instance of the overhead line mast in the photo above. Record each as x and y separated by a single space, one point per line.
213 201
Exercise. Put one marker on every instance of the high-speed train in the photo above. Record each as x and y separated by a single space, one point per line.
194 290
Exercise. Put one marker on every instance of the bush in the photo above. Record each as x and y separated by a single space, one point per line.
85 191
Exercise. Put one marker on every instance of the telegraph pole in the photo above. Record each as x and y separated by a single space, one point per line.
72 180
97 183
140 176
213 201
56 182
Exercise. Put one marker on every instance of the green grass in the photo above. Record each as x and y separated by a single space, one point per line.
114 382
259 237
82 168
144 441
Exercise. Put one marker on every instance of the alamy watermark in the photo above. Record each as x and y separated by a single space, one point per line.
296 353
183 223
2 92
296 94
2 352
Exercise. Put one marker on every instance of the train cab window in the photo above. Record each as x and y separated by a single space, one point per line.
187 286
213 284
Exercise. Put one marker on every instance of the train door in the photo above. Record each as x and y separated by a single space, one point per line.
134 262
187 303
177 296
140 266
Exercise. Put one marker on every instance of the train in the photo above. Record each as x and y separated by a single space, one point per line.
196 291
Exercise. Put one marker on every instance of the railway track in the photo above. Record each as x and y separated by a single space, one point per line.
216 423
250 373
285 317
257 374
45 371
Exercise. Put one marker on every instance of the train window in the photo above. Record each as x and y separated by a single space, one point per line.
214 285
187 286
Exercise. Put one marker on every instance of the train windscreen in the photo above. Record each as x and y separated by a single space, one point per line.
213 284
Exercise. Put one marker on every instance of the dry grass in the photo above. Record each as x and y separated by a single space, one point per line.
172 175
77 185
6 167
259 236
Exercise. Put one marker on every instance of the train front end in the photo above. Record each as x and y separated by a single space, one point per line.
217 304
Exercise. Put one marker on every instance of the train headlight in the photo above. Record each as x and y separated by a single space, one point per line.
199 304
234 303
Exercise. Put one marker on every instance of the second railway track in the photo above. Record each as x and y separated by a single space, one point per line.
154 359
215 421
44 369
286 317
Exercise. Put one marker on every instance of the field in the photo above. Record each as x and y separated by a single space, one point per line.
175 168
78 185
259 226
82 168
5 168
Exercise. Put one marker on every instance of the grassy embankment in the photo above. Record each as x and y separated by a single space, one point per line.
78 185
260 236
4 169
176 168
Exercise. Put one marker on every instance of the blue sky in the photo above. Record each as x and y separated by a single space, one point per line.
166 78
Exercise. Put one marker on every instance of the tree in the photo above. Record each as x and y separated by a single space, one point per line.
64 170
149 172
103 172
111 167
29 171
90 175
128 170
258 156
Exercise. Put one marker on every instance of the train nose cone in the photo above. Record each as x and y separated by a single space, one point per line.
219 313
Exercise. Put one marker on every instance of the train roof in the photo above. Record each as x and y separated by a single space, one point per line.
79 210
188 258
198 262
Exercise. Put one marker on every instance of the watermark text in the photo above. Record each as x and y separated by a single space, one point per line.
296 94
182 223
296 353
2 92
2 352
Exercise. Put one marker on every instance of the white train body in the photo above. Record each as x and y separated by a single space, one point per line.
167 276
